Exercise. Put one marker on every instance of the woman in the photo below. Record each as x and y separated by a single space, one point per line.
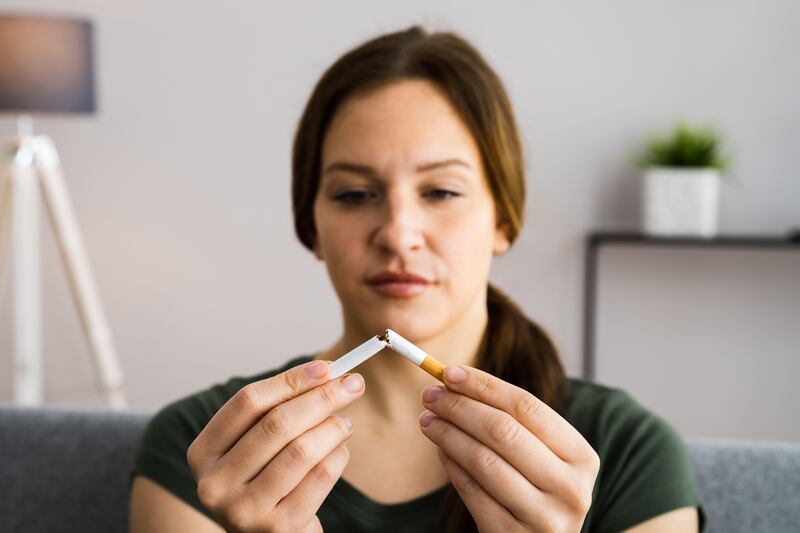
407 180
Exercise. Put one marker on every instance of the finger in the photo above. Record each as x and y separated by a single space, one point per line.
245 408
503 482
502 433
302 504
487 513
281 425
540 419
290 466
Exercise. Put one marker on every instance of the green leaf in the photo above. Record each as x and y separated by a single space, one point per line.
685 146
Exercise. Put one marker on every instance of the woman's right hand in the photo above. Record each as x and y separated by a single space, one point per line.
269 457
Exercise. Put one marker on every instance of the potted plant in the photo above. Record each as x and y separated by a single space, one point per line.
682 173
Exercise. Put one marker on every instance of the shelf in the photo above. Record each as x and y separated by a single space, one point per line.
789 242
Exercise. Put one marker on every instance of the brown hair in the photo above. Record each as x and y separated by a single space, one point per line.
513 347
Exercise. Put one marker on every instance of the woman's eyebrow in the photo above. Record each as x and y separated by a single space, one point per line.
438 164
370 172
351 167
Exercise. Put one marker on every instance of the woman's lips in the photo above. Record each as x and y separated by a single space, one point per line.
398 284
400 289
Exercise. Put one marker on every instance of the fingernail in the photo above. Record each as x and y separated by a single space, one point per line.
425 418
430 394
316 370
348 422
353 382
455 374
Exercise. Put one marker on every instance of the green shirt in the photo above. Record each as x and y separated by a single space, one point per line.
645 468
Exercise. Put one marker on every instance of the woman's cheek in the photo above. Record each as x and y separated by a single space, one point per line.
466 236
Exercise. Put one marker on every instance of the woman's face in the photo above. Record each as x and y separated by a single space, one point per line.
405 221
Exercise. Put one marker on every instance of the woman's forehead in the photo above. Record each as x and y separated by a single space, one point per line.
409 123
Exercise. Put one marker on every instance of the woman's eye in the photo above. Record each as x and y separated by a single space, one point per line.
441 194
353 197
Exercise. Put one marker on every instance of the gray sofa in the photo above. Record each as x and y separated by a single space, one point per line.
67 470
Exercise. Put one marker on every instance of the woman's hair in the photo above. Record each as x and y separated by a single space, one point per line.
513 347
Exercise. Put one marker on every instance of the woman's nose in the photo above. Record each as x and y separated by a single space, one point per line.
400 227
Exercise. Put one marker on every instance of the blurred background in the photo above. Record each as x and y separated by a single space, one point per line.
181 179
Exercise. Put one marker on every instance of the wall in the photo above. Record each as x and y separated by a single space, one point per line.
181 181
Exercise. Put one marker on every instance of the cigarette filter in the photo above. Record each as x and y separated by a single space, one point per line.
414 354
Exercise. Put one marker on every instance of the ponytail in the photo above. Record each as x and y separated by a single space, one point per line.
517 350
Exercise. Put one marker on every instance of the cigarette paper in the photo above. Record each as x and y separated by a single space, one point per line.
355 357
414 354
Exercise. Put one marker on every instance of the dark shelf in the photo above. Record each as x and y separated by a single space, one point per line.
723 241
594 241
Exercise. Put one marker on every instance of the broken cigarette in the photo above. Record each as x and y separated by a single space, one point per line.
390 339
414 354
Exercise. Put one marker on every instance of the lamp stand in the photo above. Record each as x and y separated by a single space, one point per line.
34 160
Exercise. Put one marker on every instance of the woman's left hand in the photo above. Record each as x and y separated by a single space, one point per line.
515 462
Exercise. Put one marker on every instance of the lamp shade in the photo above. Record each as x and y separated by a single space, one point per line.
46 65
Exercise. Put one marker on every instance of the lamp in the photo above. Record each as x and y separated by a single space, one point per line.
46 66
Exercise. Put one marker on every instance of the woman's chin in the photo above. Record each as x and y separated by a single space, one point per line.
414 319
412 326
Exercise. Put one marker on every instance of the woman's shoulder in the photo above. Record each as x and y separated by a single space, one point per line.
193 411
590 405
162 448
613 421
645 468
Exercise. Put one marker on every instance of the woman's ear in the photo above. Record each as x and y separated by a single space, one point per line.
501 242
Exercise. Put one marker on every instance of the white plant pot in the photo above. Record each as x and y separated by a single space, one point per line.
681 201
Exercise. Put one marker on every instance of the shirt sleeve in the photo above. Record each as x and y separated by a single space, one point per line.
647 469
161 454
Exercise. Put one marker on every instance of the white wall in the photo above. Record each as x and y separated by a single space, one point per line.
181 181
706 337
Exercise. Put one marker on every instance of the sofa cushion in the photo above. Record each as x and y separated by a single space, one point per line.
748 486
67 470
